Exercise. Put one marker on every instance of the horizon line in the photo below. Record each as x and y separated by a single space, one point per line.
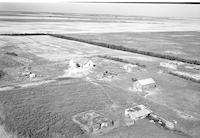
127 2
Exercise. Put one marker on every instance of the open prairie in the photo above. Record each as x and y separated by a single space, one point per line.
42 106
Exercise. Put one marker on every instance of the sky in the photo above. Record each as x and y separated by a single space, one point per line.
56 1
67 6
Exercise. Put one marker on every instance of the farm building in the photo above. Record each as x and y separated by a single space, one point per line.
129 67
89 64
145 84
109 75
72 64
28 73
134 113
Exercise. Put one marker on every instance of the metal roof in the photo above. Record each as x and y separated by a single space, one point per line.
146 81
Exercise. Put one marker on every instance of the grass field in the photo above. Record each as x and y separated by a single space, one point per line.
44 110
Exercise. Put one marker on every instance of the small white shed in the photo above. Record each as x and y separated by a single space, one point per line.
145 84
129 67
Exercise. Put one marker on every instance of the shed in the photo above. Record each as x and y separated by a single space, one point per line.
136 112
145 84
129 67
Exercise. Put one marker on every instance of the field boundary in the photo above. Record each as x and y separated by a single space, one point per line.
121 60
184 76
112 46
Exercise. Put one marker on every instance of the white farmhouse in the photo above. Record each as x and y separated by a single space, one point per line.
89 64
145 84
72 64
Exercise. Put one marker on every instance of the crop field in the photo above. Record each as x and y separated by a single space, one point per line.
42 106
83 23
181 44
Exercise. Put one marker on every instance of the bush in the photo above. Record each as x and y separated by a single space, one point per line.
11 53
2 73
134 79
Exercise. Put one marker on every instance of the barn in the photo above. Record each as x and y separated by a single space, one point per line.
144 84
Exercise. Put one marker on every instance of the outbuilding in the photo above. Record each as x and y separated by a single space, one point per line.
129 67
72 64
89 64
134 113
144 84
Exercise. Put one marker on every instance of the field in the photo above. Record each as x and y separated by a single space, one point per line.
42 107
180 44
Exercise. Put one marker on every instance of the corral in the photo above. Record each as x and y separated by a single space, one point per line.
95 123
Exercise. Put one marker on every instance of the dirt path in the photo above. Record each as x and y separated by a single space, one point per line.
25 85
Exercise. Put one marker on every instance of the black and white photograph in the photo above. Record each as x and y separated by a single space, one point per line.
99 68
